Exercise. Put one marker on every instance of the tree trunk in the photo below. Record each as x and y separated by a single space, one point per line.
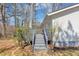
3 19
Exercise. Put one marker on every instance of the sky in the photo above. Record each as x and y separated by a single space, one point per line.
41 10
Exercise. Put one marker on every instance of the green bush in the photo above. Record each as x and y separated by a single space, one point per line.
20 36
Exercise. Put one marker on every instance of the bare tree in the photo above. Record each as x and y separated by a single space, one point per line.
3 18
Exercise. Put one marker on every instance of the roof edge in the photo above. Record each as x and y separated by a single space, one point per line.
49 14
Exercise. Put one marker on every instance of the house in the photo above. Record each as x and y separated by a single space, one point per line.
62 27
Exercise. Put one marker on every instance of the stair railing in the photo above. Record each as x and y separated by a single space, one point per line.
45 38
33 40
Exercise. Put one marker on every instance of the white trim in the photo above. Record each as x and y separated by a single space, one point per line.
77 5
39 1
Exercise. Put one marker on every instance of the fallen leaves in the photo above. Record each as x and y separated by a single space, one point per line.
9 48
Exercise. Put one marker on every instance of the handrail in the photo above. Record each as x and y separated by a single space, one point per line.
33 40
45 38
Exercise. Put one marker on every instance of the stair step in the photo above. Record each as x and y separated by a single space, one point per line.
39 42
40 48
39 38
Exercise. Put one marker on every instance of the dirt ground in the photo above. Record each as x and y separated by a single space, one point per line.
9 48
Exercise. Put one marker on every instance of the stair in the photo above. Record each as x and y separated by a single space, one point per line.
39 42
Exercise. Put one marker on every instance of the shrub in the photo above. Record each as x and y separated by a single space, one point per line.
20 36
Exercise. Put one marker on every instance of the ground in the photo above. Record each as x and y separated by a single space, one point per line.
8 47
